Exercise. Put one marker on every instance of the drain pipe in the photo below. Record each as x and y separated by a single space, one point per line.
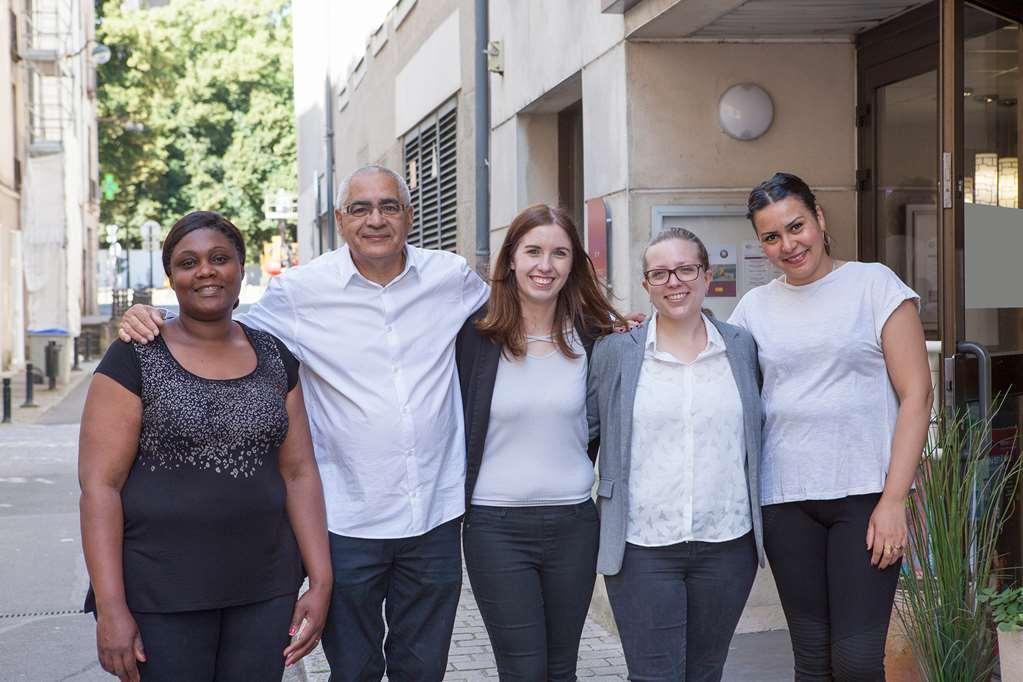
482 130
328 127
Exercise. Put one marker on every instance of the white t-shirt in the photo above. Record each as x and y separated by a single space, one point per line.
535 454
829 405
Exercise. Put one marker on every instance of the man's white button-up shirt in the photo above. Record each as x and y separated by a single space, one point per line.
380 383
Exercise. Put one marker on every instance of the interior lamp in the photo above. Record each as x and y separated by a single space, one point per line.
745 111
985 179
1008 182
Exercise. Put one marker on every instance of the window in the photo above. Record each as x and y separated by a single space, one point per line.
431 170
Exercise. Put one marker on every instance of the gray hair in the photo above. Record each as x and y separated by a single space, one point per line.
342 190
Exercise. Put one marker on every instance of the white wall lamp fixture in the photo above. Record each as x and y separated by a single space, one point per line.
745 111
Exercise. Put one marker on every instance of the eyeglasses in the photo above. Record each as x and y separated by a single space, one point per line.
683 273
361 209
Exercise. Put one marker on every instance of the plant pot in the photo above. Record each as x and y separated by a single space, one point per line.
899 663
1010 654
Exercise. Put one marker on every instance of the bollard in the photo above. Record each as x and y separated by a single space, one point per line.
7 401
51 364
29 386
74 365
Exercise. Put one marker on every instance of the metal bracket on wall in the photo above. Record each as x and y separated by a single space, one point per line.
495 57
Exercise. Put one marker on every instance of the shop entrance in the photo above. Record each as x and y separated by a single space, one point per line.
939 123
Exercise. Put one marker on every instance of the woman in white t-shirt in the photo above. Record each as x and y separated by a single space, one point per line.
847 398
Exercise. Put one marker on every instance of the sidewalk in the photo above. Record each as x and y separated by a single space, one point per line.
755 657
51 408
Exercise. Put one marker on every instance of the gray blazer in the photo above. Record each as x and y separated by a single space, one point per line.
614 373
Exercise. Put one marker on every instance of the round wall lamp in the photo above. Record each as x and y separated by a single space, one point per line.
745 111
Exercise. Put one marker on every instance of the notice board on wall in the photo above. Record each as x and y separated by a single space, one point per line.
737 263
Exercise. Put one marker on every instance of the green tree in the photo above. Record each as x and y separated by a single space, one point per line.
195 111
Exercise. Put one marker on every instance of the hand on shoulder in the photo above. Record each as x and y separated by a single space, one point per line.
141 324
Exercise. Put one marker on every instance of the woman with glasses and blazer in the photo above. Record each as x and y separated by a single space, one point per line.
676 402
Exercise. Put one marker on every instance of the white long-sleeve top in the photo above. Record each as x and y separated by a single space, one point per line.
380 383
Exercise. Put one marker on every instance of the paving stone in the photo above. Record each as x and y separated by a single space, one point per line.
600 653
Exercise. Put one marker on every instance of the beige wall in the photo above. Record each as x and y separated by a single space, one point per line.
364 130
7 119
606 124
12 142
545 42
679 155
524 166
673 98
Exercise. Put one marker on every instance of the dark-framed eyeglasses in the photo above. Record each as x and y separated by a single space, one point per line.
684 273
361 209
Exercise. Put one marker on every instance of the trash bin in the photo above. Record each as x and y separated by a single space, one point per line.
37 342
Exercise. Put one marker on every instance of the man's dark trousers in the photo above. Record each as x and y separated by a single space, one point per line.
415 582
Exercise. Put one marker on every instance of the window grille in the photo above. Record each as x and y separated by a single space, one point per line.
431 170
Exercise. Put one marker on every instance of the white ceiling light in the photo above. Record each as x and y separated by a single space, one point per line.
745 111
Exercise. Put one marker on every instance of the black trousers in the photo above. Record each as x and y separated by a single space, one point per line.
677 606
532 571
235 644
412 582
837 605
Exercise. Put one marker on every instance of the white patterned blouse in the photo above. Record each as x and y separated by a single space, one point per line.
687 477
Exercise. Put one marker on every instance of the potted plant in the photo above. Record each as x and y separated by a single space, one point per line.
962 500
1007 611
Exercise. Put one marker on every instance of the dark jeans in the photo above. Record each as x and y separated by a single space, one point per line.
677 607
837 605
415 582
235 644
532 571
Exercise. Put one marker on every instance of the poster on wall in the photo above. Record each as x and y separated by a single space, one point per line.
723 272
756 269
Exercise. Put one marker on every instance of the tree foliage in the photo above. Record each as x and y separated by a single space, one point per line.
195 111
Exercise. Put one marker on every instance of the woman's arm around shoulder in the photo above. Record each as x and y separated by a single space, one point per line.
108 444
304 503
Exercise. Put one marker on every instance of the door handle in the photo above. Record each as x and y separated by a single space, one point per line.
984 400
983 380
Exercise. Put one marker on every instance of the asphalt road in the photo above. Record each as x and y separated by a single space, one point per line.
43 634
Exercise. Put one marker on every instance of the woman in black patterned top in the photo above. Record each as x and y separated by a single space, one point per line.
201 501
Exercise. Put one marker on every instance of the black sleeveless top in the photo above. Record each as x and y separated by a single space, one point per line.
204 520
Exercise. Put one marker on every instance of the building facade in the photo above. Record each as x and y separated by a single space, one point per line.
12 164
49 199
903 115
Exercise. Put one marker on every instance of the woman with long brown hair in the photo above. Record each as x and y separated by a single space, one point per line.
531 527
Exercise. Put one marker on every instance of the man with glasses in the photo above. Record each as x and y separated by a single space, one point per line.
374 324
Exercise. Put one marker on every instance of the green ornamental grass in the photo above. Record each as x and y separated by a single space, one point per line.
963 498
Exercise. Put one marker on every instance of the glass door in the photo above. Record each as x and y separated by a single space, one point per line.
989 361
